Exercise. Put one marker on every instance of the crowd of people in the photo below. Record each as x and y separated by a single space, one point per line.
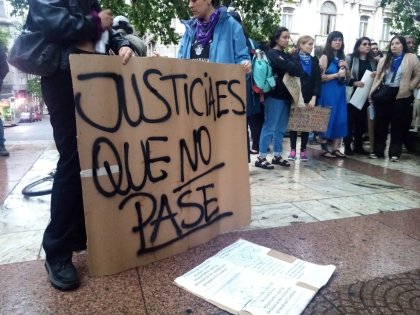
330 82
215 35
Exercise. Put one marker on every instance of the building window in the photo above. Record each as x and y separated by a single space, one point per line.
2 9
328 15
386 29
363 26
287 18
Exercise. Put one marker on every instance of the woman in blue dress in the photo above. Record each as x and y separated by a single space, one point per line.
335 72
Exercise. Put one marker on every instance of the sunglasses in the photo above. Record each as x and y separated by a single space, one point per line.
365 44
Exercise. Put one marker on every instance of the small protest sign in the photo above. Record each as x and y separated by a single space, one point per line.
293 85
306 119
155 142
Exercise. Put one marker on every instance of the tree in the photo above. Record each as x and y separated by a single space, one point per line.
405 17
260 18
4 37
34 88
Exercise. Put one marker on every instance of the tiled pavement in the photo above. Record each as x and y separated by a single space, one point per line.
361 215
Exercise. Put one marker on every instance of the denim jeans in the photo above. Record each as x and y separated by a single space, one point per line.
276 118
2 140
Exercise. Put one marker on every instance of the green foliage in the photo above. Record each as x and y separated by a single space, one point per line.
4 37
260 18
402 14
155 17
34 87
19 7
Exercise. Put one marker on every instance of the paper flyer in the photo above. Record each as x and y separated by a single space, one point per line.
361 94
246 278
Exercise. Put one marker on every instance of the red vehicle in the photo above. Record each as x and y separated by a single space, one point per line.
30 116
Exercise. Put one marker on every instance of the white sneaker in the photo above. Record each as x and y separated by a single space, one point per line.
373 156
395 158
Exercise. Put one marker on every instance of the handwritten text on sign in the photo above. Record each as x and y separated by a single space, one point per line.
155 143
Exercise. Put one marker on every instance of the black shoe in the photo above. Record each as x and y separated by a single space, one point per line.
63 275
3 151
348 151
360 150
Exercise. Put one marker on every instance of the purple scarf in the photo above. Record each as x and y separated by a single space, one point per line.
205 29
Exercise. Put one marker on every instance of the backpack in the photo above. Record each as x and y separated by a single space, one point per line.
262 72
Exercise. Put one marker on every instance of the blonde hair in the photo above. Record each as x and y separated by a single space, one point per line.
303 40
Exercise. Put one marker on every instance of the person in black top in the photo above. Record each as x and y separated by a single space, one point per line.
310 80
254 109
278 101
76 26
359 61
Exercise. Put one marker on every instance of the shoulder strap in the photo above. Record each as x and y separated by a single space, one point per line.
252 44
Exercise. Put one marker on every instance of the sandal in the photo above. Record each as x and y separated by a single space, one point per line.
328 154
263 163
320 140
278 160
337 153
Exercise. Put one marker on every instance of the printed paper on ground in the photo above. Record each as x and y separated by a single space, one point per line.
245 278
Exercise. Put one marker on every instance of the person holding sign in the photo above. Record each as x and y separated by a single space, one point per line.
359 61
76 27
397 76
335 72
277 102
310 79
213 35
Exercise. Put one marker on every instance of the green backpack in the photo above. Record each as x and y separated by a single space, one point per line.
262 72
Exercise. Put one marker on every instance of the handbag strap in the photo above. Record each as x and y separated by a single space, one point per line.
392 79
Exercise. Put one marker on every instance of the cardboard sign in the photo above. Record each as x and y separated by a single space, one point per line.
305 119
294 87
245 278
155 139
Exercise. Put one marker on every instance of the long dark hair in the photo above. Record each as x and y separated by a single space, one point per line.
328 51
276 35
389 55
356 52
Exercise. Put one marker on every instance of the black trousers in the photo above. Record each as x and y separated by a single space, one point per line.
356 124
304 136
255 123
394 112
66 230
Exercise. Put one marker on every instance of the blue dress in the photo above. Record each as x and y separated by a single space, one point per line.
333 95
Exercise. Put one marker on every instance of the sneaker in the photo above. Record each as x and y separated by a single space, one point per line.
373 156
3 151
303 156
292 155
395 158
63 275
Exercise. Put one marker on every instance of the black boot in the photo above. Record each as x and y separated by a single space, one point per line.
360 150
348 150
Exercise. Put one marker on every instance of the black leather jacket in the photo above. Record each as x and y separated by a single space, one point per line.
68 22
